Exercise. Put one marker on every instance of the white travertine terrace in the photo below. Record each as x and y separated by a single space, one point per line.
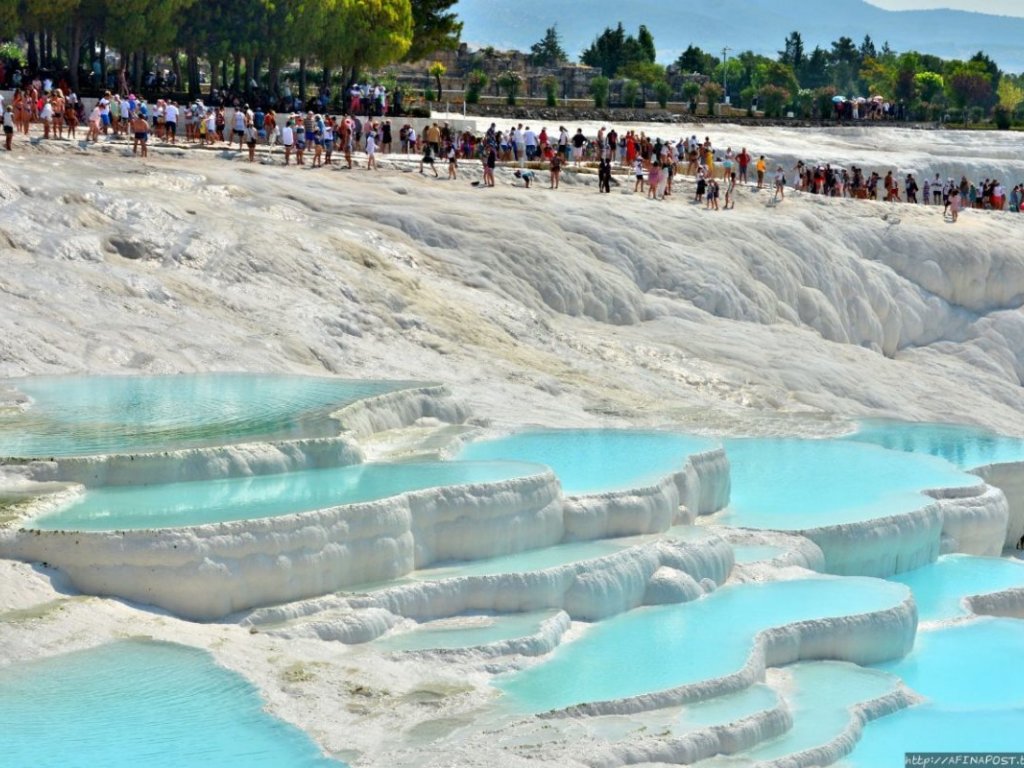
561 311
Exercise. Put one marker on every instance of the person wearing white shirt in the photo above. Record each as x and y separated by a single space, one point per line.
371 150
530 140
8 127
171 122
46 115
288 140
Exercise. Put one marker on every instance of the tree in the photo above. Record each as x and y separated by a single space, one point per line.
904 81
693 59
143 25
647 73
437 71
476 81
599 90
775 73
732 74
629 94
793 52
548 51
606 51
1010 94
613 50
691 90
509 81
433 28
876 77
371 33
969 85
551 91
986 65
930 85
773 100
662 92
645 40
816 74
712 94
867 49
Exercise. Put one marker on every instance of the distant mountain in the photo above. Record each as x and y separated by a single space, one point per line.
757 25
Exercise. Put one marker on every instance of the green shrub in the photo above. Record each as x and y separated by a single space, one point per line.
1001 116
551 90
662 92
599 90
476 81
629 93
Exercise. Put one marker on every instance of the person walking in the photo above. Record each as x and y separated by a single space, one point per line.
8 127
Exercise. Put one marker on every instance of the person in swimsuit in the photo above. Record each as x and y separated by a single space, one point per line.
140 132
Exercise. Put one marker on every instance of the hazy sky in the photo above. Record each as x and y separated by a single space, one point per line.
1004 7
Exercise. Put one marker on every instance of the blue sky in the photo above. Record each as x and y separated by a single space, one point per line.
1004 7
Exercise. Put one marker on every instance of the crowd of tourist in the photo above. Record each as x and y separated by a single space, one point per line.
651 162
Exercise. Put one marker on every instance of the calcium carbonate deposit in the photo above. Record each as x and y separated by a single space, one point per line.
507 616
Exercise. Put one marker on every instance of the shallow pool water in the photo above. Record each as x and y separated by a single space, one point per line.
794 484
940 587
725 709
248 498
669 646
596 460
135 703
466 631
964 446
820 695
971 665
87 415
969 674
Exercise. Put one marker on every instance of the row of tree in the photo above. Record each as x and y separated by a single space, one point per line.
256 37
923 84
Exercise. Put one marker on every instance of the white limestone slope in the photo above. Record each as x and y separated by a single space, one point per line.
539 307
552 308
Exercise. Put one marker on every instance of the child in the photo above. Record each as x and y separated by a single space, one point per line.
453 161
556 169
526 176
638 171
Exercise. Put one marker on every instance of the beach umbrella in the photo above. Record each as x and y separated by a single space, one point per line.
838 99
878 99
861 100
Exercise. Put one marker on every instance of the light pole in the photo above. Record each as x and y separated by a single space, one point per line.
725 69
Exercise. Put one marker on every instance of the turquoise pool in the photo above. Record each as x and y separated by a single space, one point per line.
821 695
596 460
135 703
88 415
964 446
940 587
669 646
975 704
248 498
794 484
